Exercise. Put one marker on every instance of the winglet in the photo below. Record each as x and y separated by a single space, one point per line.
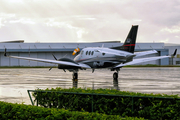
5 52
174 53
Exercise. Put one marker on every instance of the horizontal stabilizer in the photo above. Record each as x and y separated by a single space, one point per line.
138 54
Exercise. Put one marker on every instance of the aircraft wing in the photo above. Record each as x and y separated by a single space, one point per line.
138 54
141 60
80 65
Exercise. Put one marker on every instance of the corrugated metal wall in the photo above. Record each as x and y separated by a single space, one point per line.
45 51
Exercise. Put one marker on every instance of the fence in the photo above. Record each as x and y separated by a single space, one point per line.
137 104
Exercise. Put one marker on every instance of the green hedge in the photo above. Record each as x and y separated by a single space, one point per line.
106 91
27 112
112 102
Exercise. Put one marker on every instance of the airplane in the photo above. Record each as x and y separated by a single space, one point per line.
93 58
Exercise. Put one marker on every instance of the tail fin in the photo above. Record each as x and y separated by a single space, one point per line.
130 41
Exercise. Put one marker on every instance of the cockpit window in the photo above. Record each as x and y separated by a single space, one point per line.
81 52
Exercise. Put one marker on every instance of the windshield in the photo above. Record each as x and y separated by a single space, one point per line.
81 52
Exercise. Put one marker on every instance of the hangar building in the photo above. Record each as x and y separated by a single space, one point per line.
45 51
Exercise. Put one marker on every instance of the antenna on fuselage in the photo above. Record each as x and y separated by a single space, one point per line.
152 47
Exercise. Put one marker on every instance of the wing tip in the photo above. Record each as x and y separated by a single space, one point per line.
5 52
175 51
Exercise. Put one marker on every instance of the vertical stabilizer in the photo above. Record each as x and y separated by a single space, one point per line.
130 41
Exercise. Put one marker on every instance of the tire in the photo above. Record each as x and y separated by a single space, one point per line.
75 76
115 75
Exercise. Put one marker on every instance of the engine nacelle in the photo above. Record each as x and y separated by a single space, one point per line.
66 66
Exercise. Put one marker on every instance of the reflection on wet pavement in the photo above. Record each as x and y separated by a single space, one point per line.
14 83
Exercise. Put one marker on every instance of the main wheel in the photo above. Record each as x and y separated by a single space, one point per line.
75 80
75 76
115 76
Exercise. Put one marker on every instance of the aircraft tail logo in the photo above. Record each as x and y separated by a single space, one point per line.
130 41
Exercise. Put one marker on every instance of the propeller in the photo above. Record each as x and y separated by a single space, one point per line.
51 68
55 59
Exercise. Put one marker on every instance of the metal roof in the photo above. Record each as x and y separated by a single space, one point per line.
56 47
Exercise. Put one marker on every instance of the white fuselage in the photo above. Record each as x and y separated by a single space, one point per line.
97 57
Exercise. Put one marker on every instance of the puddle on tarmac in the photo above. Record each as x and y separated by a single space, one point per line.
14 83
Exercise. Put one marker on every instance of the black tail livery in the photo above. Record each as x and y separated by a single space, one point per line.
130 41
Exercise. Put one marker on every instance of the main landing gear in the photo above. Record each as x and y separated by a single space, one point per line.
75 76
75 79
115 75
115 79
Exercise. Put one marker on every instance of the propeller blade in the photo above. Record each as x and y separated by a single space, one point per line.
50 68
54 57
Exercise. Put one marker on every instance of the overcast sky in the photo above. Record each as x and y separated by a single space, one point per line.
89 20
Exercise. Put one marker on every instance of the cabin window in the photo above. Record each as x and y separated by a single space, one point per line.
92 52
103 53
89 52
86 52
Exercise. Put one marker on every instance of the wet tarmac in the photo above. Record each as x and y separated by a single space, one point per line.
14 83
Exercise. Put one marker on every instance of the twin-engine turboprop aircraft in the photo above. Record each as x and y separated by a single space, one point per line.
99 57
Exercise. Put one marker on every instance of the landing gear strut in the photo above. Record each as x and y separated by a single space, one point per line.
75 79
115 80
75 76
